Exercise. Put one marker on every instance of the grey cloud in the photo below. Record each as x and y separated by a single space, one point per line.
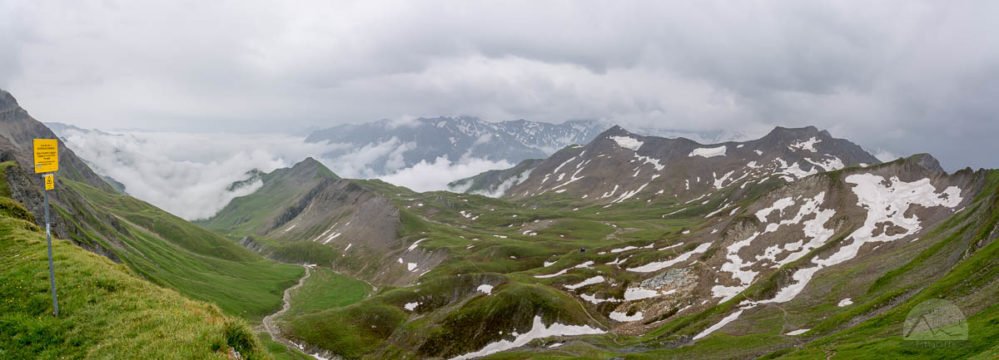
903 76
189 174
186 174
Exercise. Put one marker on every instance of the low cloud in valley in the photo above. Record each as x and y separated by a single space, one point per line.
188 174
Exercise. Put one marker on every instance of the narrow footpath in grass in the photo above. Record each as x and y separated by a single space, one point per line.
268 320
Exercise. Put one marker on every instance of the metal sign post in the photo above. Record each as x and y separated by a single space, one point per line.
47 162
48 239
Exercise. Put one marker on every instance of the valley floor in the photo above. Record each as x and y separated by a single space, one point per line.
268 322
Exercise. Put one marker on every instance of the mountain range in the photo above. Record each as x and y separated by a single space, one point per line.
402 144
665 239
679 167
396 144
794 245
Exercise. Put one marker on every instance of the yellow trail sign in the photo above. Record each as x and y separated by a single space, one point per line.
49 182
46 155
47 162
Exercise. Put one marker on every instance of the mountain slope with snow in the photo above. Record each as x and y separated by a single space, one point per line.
495 183
736 249
619 166
736 273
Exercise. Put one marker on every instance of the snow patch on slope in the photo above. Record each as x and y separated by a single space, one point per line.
538 331
563 271
659 265
792 172
415 244
720 181
708 152
623 317
591 281
506 185
814 230
639 293
797 332
808 145
831 164
627 142
887 202
485 289
730 318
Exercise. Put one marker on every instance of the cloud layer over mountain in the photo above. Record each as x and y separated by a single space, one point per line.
906 76
188 174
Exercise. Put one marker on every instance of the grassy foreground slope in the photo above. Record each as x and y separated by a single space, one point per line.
177 254
105 311
160 247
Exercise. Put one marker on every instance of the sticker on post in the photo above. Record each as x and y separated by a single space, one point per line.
49 182
46 155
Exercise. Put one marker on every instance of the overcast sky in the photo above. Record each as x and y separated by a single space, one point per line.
903 76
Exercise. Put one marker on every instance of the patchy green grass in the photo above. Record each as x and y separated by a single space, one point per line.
506 244
105 311
279 351
326 289
281 188
198 263
352 331
4 188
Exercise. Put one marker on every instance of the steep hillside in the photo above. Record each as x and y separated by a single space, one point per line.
158 246
404 144
619 166
17 133
307 214
105 310
918 234
277 201
174 253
